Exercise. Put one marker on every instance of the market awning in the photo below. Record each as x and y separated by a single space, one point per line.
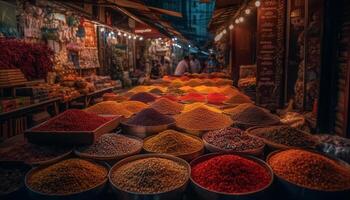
149 15
224 11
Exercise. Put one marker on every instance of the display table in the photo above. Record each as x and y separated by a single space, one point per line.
86 99
26 109
14 122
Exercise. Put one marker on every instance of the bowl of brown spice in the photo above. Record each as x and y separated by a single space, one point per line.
283 137
201 120
175 143
150 176
68 179
307 174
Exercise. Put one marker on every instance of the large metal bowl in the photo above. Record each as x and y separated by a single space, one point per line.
207 194
175 194
188 156
112 159
144 131
294 191
16 193
88 194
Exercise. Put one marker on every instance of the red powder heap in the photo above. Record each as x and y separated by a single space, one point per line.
193 97
230 174
144 97
74 120
216 98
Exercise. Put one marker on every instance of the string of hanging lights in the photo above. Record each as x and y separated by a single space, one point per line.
121 33
239 18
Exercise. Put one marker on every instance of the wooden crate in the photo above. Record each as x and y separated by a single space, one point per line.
69 137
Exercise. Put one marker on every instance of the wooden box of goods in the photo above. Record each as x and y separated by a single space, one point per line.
11 77
72 127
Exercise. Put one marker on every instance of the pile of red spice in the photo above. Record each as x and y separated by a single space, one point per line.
74 120
193 97
216 98
144 97
230 174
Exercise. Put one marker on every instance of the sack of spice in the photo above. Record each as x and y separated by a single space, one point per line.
283 136
310 170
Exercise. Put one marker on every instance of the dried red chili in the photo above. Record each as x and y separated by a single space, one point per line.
230 174
74 120
35 60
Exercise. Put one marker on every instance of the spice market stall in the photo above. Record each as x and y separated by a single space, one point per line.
192 136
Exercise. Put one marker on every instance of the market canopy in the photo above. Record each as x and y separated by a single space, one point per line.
223 12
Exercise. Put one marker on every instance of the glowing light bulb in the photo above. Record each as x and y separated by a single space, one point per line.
119 33
241 19
237 21
231 26
141 38
247 11
125 34
257 3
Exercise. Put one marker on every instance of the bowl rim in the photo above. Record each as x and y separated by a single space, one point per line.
33 170
337 160
114 156
144 156
10 163
249 157
176 155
